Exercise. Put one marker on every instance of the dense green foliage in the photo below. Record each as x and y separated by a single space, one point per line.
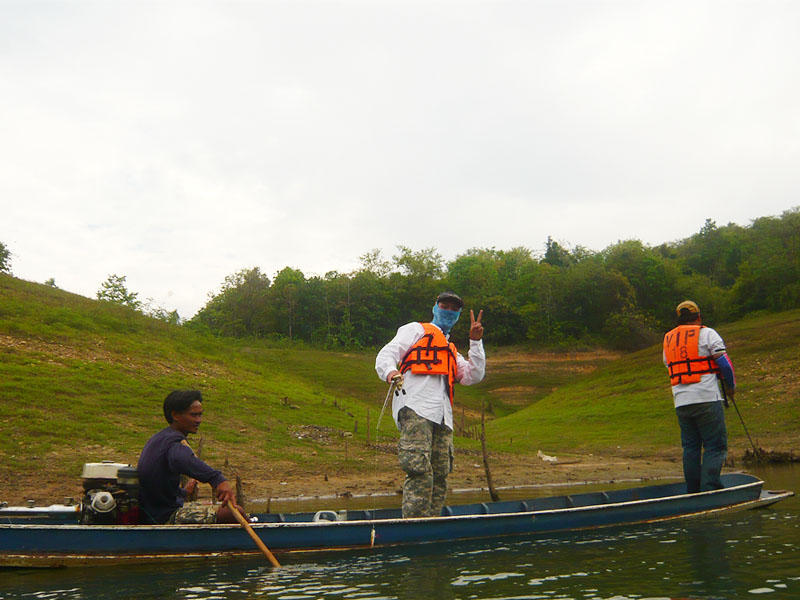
622 296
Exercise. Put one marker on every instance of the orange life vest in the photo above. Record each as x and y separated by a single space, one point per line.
684 363
432 354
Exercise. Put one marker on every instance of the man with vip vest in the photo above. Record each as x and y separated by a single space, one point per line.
423 362
696 359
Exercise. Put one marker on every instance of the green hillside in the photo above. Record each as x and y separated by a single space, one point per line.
625 406
82 380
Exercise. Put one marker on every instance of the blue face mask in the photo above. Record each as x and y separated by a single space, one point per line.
445 319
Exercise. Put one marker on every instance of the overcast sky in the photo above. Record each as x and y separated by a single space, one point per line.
176 142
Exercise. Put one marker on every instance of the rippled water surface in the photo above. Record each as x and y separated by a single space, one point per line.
742 555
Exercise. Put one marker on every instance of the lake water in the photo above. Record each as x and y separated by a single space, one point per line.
742 555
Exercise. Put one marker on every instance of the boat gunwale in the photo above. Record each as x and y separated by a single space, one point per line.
362 522
48 560
55 559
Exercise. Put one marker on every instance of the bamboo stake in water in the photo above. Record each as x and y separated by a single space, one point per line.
492 492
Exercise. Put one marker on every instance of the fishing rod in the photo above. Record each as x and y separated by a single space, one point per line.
396 382
393 387
756 452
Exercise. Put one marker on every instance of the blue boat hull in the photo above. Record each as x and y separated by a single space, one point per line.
57 544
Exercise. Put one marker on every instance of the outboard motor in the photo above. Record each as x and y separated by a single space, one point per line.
111 494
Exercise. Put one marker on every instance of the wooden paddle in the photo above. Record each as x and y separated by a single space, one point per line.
249 529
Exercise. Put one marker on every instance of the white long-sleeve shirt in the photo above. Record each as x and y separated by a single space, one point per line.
427 395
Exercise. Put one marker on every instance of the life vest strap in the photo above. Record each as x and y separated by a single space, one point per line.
709 367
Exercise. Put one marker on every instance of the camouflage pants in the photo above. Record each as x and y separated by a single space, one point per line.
425 451
194 512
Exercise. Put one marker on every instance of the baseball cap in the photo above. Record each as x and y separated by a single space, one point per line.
452 297
689 306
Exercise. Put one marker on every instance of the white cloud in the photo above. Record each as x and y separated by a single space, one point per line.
177 142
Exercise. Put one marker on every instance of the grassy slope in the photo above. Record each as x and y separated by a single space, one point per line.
627 404
83 380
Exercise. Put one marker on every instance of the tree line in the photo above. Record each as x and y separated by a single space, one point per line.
622 297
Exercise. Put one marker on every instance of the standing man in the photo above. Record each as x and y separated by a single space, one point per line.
695 357
426 365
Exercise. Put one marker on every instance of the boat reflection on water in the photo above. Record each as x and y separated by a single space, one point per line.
728 556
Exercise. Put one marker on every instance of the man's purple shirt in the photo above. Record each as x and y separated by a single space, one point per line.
162 462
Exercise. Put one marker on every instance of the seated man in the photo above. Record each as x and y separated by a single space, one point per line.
166 456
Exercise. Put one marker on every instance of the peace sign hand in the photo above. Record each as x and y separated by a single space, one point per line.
475 328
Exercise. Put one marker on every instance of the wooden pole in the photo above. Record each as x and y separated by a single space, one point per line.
239 491
249 529
492 492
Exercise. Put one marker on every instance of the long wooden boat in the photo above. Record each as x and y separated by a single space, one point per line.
53 538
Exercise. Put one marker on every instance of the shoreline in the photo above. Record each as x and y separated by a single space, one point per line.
509 473
382 478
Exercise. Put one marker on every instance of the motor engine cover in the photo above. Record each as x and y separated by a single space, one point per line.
111 494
